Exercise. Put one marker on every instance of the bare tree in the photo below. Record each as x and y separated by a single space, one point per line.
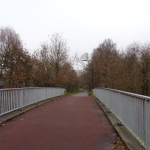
14 58
58 55
9 41
53 64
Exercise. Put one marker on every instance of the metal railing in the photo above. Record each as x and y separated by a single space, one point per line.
132 110
16 98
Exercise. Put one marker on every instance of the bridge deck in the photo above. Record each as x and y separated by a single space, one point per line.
69 123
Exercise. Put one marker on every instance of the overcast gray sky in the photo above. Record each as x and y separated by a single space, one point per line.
83 23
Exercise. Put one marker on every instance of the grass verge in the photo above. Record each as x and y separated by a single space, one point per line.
90 93
71 93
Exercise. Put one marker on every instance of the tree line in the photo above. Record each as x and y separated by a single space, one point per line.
48 66
51 65
127 70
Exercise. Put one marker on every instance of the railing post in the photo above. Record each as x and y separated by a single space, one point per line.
21 99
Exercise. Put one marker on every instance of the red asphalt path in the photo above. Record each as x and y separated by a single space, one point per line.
68 123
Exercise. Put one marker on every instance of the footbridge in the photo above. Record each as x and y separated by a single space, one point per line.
73 122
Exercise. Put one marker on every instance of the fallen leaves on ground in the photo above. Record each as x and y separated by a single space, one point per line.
118 144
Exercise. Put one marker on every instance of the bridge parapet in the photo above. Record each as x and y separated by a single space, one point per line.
17 98
133 110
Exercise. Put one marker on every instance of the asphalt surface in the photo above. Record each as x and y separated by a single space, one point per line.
68 123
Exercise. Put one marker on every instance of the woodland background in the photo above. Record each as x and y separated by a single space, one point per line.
51 66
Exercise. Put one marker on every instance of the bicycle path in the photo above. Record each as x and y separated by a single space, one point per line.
68 123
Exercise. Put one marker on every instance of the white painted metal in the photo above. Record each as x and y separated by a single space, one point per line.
132 110
16 98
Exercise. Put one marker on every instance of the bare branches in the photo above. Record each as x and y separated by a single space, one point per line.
14 59
128 71
55 66
52 66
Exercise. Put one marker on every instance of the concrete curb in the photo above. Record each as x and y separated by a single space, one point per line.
130 141
9 116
